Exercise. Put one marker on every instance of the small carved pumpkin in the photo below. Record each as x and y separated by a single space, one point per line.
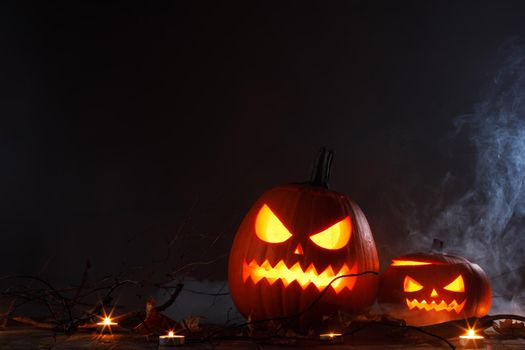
293 242
429 288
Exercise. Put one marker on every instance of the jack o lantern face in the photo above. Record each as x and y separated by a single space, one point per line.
270 229
427 288
423 291
433 297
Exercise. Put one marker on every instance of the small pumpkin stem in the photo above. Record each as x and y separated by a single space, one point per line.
321 171
437 246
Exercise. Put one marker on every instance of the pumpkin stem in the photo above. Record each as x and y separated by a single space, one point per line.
437 246
321 171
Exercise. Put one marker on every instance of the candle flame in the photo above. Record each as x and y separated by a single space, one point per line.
107 322
471 334
331 334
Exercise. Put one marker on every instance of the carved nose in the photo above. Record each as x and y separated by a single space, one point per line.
298 250
434 293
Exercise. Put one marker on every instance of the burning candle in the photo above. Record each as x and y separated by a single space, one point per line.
471 339
171 340
331 338
106 324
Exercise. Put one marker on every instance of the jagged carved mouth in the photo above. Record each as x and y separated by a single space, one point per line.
442 306
296 274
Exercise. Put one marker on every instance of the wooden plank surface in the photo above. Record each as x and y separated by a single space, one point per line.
33 339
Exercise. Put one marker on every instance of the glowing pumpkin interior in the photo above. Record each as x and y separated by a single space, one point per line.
270 229
433 296
430 288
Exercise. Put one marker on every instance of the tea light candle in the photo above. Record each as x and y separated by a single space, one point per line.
471 340
171 340
336 338
106 324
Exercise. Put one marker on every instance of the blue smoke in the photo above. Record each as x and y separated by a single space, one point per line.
487 222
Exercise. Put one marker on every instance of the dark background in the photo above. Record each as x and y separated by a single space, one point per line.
128 130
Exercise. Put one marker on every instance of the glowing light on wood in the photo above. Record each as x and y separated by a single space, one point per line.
171 339
458 285
295 273
411 285
107 322
334 237
408 263
442 306
331 337
471 339
471 334
269 228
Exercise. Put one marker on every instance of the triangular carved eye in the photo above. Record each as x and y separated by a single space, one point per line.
269 228
411 285
456 285
334 237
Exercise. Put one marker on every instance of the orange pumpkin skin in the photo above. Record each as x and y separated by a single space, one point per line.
439 288
305 210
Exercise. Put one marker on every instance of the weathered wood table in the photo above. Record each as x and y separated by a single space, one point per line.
33 339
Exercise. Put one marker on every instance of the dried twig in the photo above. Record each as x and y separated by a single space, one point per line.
171 299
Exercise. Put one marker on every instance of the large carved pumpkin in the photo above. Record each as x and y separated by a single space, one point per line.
428 288
292 243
